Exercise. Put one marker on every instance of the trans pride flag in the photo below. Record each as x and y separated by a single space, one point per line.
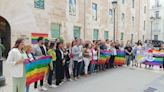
35 70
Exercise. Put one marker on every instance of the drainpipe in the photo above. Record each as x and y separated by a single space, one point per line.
84 19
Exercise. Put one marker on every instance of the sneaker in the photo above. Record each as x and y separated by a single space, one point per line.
52 86
78 77
65 80
43 89
75 78
69 79
62 82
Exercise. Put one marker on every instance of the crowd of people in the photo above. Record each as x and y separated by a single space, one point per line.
69 60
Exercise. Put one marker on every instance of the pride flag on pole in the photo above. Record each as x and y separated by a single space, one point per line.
35 70
35 36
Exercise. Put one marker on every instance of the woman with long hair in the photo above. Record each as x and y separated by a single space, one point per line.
86 57
67 61
139 53
30 57
16 58
94 58
59 63
73 43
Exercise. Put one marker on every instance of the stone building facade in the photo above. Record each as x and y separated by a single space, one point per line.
85 19
132 20
157 19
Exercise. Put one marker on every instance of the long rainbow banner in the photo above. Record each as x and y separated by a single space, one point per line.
158 53
105 56
35 36
36 69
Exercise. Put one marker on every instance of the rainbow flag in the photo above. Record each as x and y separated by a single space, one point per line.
158 53
35 36
156 61
104 56
158 58
120 58
35 70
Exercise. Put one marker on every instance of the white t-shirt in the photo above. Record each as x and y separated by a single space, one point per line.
81 54
95 54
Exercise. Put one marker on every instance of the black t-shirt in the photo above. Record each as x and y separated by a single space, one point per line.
129 49
43 51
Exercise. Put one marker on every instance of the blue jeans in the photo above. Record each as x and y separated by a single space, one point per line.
27 88
128 59
75 69
81 67
92 68
78 68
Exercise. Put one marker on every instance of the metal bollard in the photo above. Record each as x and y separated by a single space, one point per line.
2 78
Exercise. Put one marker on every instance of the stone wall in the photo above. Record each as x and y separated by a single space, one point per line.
24 19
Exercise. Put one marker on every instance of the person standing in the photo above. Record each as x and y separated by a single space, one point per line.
94 58
76 56
128 53
114 53
86 54
162 50
16 58
30 57
80 61
67 62
108 45
139 53
134 51
39 50
52 53
60 61
71 57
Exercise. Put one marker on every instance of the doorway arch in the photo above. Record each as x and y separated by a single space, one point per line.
5 35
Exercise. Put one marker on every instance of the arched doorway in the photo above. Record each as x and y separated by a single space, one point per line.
5 35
